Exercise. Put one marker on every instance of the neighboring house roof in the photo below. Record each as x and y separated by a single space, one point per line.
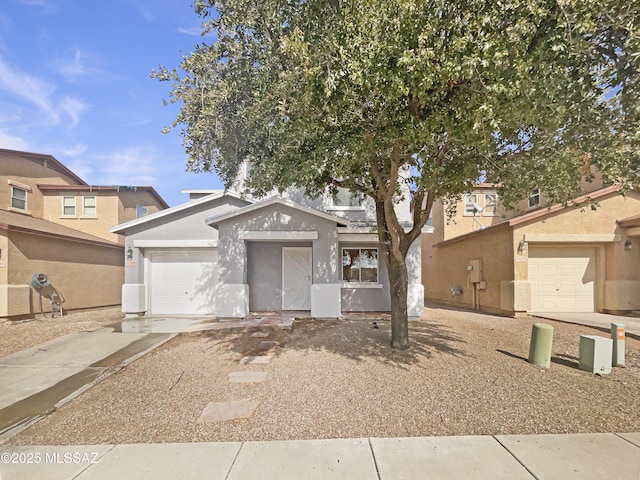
535 214
633 221
215 220
173 210
104 188
18 222
51 161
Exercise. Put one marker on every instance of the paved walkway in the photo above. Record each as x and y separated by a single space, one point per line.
599 320
500 457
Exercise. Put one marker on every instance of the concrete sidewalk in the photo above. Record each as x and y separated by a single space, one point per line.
506 457
601 321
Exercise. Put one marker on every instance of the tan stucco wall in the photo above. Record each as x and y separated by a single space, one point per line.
506 268
29 173
106 212
445 267
87 276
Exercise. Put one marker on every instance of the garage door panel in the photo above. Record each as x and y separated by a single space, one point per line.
183 283
562 279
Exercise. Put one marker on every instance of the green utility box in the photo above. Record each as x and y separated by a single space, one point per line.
541 342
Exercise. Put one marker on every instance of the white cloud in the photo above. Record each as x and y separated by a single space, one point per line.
132 166
40 93
11 142
193 31
73 108
75 151
72 68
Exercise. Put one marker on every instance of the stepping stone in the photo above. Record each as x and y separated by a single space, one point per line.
260 334
258 359
247 377
222 412
267 344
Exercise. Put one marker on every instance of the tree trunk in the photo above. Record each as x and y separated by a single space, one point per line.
398 280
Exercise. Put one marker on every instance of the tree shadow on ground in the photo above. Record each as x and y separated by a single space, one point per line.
356 339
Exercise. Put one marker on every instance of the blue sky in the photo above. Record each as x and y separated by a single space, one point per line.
74 83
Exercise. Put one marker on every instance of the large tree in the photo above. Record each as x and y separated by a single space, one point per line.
385 97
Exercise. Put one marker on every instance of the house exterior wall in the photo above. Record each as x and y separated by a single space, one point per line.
444 268
16 168
264 274
187 225
86 275
505 260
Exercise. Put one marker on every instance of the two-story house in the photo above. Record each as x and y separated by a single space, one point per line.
536 257
53 222
227 255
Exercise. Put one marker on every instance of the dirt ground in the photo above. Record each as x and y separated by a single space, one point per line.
466 374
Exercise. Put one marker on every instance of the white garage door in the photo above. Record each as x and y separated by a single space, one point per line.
183 282
562 279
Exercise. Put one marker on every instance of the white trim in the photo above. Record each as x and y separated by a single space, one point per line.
178 208
23 186
215 220
358 237
338 208
571 238
175 243
271 235
360 285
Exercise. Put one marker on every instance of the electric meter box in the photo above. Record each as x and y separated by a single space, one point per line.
475 272
595 354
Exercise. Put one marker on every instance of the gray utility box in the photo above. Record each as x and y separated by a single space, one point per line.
595 354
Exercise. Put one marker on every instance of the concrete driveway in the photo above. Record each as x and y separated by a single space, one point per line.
38 380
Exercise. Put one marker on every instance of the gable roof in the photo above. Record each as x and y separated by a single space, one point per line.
105 188
17 222
173 210
42 159
275 200
536 214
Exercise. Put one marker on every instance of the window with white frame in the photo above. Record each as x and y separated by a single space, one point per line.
360 265
141 211
534 198
471 204
345 198
490 204
88 206
68 206
18 198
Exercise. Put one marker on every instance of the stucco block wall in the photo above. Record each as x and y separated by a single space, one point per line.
445 267
621 295
87 276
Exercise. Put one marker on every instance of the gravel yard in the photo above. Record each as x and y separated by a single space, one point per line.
466 374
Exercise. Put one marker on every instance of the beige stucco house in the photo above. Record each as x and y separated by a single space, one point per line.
53 222
538 257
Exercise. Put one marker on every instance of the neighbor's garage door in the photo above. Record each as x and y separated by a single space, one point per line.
562 279
183 282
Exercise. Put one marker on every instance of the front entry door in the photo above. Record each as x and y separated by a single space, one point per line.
296 278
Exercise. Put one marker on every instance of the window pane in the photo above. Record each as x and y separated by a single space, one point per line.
491 203
89 206
141 211
350 265
469 203
369 265
68 205
18 198
345 198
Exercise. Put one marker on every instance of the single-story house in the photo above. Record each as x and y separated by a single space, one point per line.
225 255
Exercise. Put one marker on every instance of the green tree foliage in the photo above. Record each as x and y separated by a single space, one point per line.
390 96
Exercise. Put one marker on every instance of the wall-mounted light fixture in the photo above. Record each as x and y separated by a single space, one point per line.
129 254
522 246
628 245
